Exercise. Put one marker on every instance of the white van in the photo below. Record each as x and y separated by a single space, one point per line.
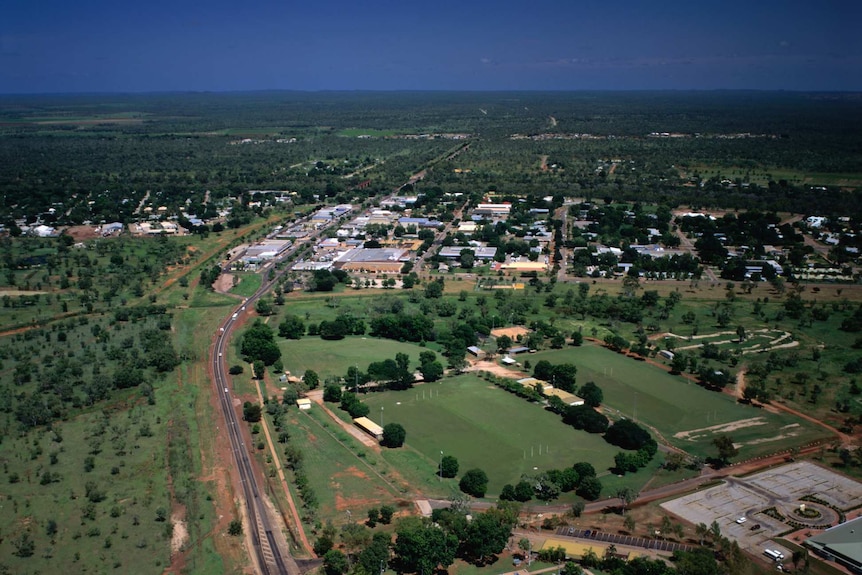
774 555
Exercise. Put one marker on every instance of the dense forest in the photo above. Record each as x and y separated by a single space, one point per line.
95 157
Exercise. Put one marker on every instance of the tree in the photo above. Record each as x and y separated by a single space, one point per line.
563 376
578 508
627 434
486 536
626 495
434 290
701 530
291 327
584 469
24 545
310 379
251 412
467 258
375 555
263 306
474 482
591 394
258 342
386 513
235 528
586 418
332 393
326 539
629 522
259 369
543 370
335 563
577 338
504 342
373 517
449 466
420 546
431 371
393 435
590 488
726 449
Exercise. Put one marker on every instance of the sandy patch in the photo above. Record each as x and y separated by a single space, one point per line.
512 332
19 292
695 434
766 439
224 283
180 534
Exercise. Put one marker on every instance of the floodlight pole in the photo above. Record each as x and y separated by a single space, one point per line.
441 465
381 416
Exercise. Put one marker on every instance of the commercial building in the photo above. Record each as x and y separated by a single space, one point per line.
842 544
372 260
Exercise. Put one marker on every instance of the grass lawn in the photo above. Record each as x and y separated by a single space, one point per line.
485 427
335 357
247 284
343 472
673 405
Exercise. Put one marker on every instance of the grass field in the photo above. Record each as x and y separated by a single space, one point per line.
344 474
486 427
247 284
675 406
335 357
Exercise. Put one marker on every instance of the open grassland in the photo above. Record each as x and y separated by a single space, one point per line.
346 476
246 284
486 427
685 414
333 358
106 492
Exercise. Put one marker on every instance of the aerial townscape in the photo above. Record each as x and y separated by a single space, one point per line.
407 325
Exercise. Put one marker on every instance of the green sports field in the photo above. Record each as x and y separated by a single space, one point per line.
486 427
335 357
682 411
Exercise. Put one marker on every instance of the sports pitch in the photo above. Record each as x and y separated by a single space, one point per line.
686 414
334 358
486 427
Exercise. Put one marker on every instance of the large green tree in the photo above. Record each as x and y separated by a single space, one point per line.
474 482
394 435
421 547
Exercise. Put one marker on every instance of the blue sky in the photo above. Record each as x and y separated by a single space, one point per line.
160 45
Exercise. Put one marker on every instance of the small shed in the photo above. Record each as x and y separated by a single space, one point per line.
369 427
476 351
566 397
303 403
517 350
508 360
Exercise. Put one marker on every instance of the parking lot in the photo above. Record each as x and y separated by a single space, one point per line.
748 497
